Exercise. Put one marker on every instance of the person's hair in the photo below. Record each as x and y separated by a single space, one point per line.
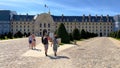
55 35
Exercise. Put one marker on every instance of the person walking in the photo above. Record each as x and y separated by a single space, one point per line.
33 41
45 42
55 45
30 41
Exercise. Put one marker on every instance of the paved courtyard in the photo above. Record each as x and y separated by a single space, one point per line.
99 52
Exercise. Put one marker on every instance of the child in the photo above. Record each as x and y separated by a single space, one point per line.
55 45
30 41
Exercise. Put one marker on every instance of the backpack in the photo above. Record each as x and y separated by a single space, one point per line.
44 40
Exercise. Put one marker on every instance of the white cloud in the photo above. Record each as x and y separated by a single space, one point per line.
9 4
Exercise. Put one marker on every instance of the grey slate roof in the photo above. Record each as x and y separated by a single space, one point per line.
23 17
82 18
4 15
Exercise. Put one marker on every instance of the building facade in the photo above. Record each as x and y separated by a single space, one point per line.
4 21
22 23
37 24
102 25
117 22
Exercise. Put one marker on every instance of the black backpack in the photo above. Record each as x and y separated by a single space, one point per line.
44 40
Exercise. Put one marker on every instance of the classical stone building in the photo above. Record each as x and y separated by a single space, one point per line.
23 23
5 17
102 25
37 24
44 22
117 22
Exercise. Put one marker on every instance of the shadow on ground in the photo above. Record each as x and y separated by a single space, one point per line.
36 49
58 57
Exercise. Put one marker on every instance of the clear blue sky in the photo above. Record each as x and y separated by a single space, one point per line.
66 7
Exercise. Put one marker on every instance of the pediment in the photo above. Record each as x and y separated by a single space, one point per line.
44 18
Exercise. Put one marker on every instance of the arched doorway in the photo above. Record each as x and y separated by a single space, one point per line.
44 31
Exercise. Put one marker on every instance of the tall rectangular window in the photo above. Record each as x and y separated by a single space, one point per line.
48 29
20 26
44 24
16 26
49 25
40 25
40 33
33 30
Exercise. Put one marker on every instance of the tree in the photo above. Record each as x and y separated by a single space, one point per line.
88 34
83 34
62 33
76 34
118 34
2 36
18 35
25 34
55 32
70 36
28 34
10 35
115 35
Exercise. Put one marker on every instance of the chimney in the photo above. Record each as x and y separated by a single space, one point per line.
27 14
101 16
96 15
89 17
49 12
62 15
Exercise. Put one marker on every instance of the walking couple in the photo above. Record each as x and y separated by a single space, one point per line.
32 41
54 41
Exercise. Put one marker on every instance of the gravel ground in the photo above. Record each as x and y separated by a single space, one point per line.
100 52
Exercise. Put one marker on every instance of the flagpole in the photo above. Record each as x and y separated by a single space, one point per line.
45 8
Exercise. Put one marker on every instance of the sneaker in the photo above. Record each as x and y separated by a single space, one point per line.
46 54
32 48
55 54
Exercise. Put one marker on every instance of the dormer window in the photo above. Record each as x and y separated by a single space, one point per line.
56 19
110 20
82 20
67 20
24 19
92 20
61 20
75 20
86 20
64 20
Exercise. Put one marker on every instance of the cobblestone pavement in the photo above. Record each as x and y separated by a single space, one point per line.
100 52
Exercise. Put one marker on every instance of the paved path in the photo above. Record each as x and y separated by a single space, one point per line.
16 54
100 52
